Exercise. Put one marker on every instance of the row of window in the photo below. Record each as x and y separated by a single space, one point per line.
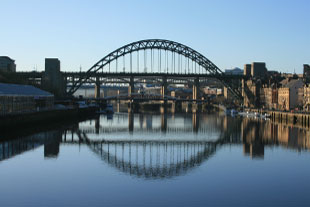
21 104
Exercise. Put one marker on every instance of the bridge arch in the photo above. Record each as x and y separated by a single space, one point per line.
154 44
154 160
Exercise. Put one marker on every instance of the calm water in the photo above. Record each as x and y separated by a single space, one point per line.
157 160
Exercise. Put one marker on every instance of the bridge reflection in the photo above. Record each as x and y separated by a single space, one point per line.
161 146
139 123
153 160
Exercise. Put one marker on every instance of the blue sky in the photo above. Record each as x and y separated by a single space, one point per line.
228 32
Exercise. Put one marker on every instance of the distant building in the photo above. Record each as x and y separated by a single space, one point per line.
306 74
227 93
52 66
7 64
258 69
16 99
212 91
53 79
273 73
234 71
288 94
247 70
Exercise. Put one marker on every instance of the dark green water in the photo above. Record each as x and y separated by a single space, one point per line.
157 160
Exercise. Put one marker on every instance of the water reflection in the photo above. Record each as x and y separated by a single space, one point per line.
50 140
258 134
160 146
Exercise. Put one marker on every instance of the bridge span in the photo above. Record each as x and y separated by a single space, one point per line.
152 61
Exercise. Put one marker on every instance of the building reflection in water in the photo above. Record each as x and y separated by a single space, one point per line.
161 146
50 140
257 133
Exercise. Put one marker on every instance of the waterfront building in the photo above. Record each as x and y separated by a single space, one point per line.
16 99
306 103
269 97
288 94
7 64
306 74
251 93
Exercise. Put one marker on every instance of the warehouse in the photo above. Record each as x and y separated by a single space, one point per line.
16 99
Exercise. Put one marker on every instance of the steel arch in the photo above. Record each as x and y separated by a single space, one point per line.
151 44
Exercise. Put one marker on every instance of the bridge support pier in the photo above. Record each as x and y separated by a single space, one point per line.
118 105
130 121
164 87
196 107
133 107
131 88
163 122
97 88
130 107
196 89
163 91
178 106
173 107
97 125
195 121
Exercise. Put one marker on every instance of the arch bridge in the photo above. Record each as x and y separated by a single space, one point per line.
155 62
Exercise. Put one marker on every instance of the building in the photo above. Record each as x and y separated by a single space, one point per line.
53 79
306 74
251 93
16 99
269 97
288 94
212 91
234 71
52 66
7 64
265 98
227 93
247 70
306 103
258 69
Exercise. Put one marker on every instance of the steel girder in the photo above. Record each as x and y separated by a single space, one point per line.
151 44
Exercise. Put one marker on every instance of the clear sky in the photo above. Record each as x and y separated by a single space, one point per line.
228 32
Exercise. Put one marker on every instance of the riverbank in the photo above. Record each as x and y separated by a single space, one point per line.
301 119
8 122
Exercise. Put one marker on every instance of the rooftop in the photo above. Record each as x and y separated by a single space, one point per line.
21 90
286 83
6 57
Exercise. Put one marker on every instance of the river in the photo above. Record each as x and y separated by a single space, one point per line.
157 160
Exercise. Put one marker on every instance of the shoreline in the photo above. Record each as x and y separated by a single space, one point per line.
35 119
